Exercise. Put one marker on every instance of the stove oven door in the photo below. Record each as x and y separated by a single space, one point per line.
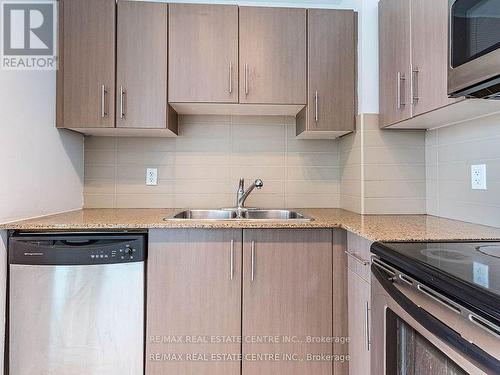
419 332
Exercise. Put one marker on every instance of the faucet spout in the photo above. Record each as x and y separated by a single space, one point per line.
243 194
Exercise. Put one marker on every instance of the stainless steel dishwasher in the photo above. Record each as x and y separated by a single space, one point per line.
76 304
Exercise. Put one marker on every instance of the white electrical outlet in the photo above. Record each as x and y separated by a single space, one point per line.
151 176
478 177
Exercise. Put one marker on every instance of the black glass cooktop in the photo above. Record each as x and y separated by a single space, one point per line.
466 271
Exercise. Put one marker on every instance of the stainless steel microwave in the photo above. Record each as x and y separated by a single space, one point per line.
474 48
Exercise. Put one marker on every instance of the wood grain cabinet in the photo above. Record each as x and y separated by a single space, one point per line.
288 292
203 45
271 288
193 292
86 75
359 304
331 64
272 44
359 324
395 61
141 69
413 62
90 99
429 55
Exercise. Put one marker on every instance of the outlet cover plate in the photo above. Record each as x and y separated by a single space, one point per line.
151 176
478 177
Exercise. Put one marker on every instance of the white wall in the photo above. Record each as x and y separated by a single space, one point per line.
42 167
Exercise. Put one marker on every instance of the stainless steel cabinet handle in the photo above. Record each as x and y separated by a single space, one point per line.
104 92
316 107
252 276
357 258
231 260
401 78
367 325
230 77
415 96
122 104
246 79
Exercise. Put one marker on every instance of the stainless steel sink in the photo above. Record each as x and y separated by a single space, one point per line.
206 215
245 214
273 215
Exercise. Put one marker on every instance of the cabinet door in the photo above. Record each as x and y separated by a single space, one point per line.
394 59
193 293
331 70
141 65
358 297
287 293
87 63
272 55
203 48
429 31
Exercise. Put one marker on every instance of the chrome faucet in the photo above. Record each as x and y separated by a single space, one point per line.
243 194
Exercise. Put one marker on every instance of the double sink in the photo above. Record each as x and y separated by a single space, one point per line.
240 214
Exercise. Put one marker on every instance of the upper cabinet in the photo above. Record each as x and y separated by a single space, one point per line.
86 73
141 70
129 67
331 76
203 45
90 100
272 55
413 56
429 32
395 60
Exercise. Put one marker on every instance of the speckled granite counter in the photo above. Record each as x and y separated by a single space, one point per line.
372 227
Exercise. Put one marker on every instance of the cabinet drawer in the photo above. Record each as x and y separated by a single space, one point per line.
358 255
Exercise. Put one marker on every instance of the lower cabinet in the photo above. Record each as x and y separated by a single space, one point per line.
359 304
287 293
193 293
246 302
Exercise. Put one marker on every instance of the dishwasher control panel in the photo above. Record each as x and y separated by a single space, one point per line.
123 253
76 249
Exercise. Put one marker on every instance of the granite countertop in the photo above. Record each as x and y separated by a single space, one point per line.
372 227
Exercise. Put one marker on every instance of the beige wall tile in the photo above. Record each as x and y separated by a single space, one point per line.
382 171
99 201
350 203
450 152
395 189
144 201
99 186
401 206
100 143
201 168
312 200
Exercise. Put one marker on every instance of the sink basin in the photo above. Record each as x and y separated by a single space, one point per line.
273 215
247 214
206 215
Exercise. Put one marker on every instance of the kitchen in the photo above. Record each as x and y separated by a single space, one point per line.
250 187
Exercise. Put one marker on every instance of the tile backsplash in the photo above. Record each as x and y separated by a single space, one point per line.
201 167
382 171
450 152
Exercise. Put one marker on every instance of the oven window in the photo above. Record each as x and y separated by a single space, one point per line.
409 353
475 29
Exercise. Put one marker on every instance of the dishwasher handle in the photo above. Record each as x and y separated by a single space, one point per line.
77 249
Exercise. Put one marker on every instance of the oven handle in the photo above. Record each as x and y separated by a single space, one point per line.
487 363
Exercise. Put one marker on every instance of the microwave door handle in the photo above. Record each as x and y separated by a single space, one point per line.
485 361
